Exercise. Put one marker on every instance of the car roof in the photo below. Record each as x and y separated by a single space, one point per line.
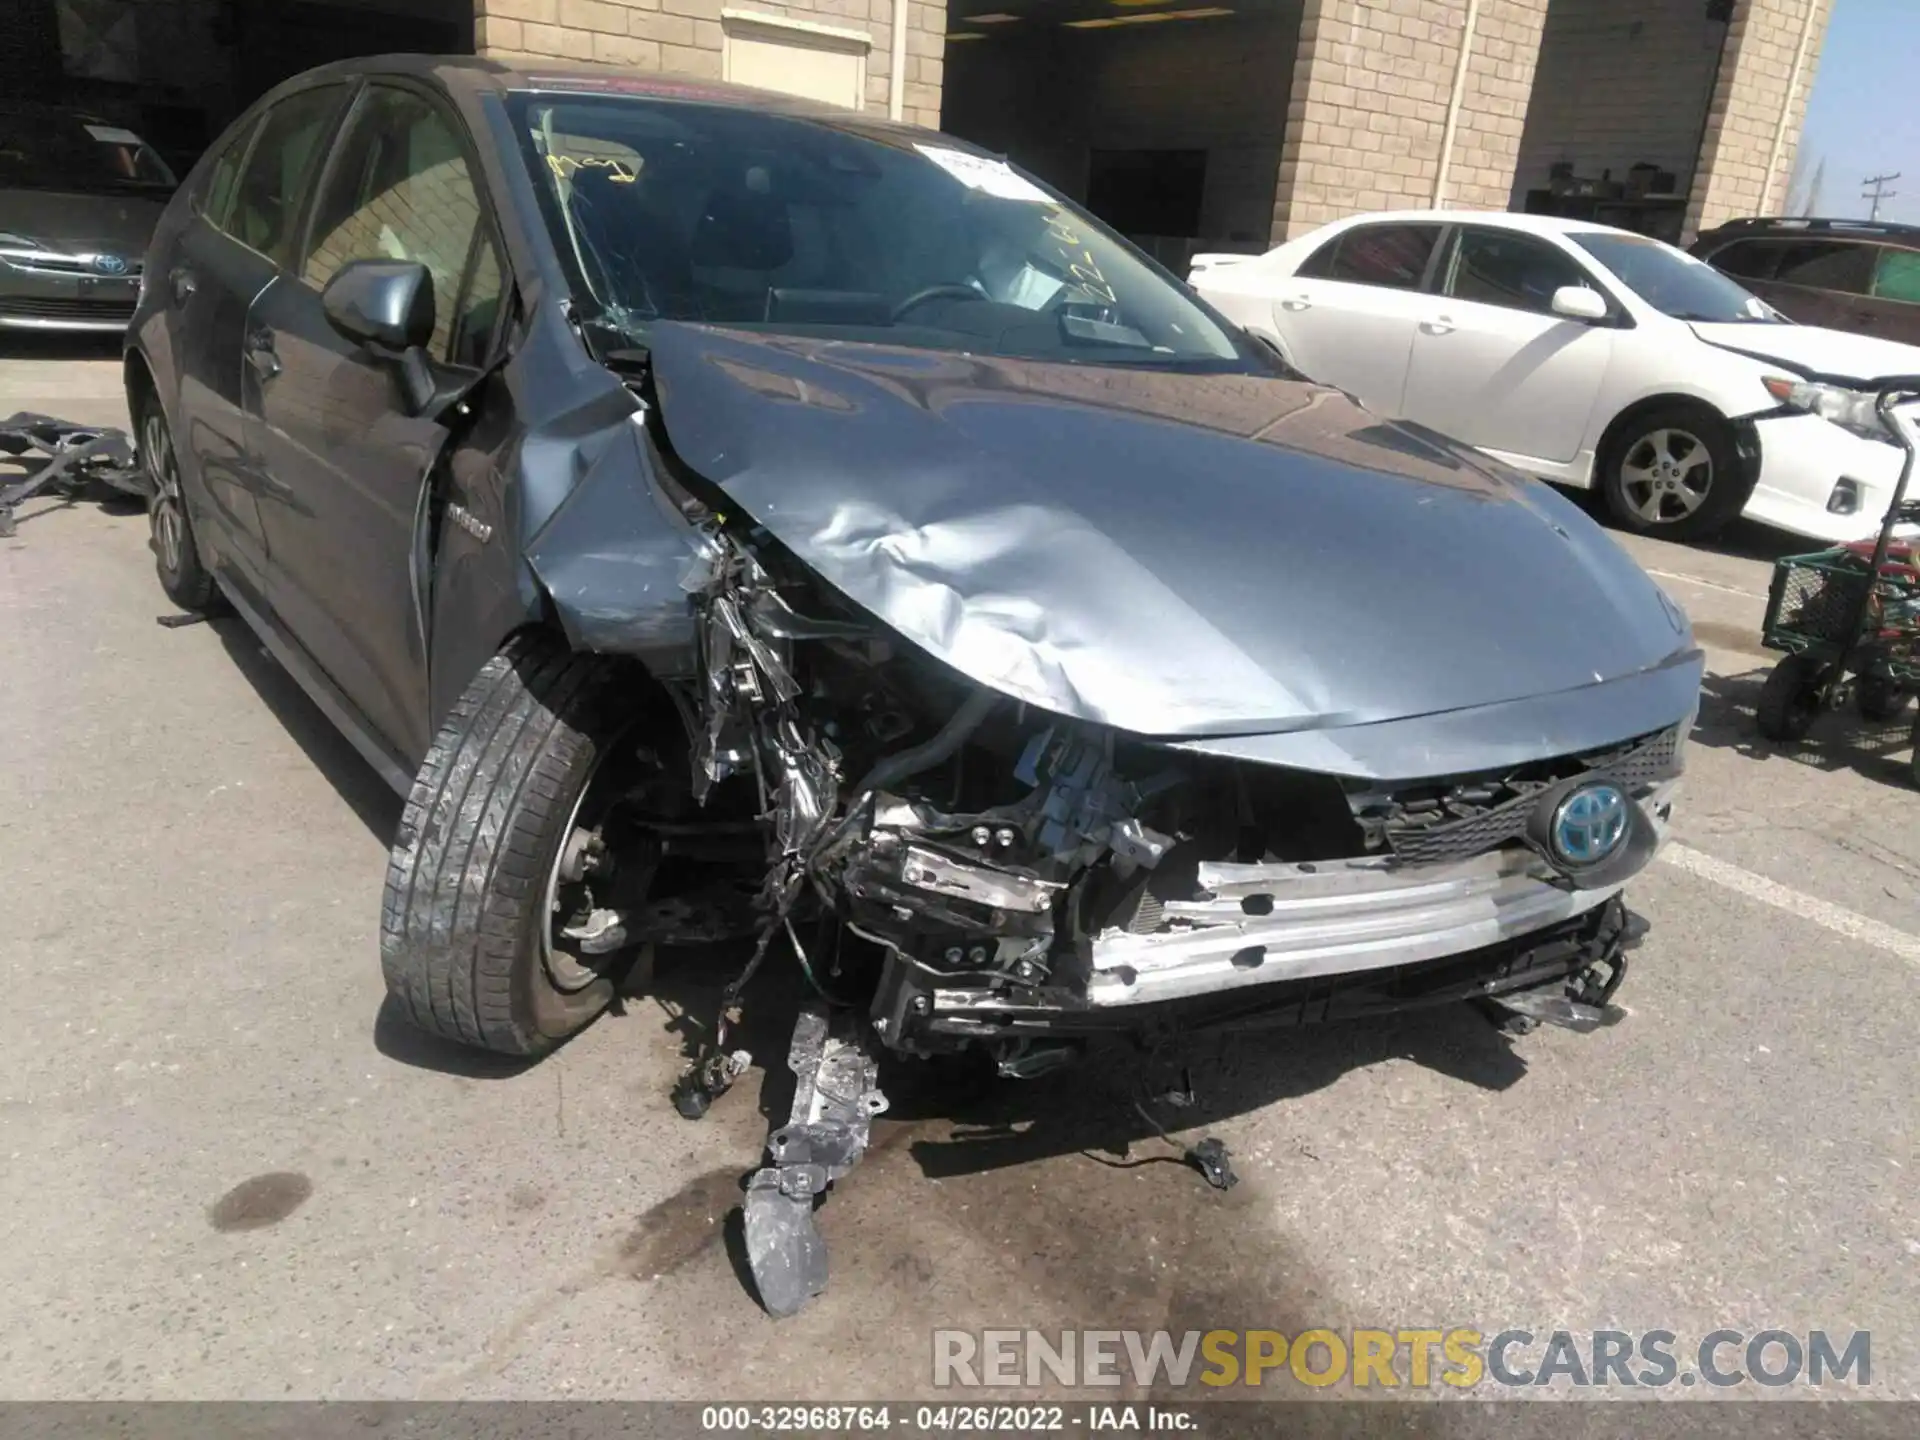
470 75
1503 219
1772 225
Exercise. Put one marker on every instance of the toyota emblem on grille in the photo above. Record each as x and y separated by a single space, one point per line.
110 264
1590 825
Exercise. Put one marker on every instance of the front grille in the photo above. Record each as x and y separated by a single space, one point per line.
1484 821
31 308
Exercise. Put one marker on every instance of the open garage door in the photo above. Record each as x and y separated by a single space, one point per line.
1619 105
1165 121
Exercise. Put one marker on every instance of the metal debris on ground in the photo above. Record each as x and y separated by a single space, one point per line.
74 455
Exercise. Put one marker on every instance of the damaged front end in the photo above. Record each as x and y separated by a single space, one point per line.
1032 764
1024 878
997 876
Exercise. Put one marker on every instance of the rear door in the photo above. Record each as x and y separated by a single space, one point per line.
229 254
1492 365
348 463
1348 313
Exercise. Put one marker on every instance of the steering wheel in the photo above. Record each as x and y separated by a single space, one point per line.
949 288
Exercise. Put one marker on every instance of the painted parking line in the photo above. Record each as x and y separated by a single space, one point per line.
1837 918
1706 584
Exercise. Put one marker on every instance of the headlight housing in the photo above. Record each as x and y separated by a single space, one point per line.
1857 411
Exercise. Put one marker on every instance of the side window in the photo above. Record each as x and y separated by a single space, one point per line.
400 189
1319 265
1747 259
479 309
1515 271
217 196
1393 256
1839 265
266 203
1897 276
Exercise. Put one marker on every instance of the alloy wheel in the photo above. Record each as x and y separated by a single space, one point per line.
1666 475
165 513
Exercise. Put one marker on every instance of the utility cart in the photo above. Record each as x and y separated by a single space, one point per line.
1849 618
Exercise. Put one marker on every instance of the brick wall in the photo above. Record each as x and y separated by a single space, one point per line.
1368 107
1620 82
1757 79
686 37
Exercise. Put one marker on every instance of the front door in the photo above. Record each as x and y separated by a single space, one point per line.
1492 364
347 462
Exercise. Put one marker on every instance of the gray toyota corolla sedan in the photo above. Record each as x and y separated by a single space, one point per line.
720 514
79 197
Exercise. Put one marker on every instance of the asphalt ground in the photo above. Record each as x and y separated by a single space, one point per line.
229 1174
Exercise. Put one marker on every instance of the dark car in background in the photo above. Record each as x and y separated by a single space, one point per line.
717 513
1852 275
79 197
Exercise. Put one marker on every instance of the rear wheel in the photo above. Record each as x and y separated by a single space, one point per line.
499 832
1674 472
1790 700
176 553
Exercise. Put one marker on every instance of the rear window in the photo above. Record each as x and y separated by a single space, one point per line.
1897 276
1392 256
1825 265
65 152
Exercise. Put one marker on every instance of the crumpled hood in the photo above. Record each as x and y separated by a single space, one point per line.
1814 350
1171 554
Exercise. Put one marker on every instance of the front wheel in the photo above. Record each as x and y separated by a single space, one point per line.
1674 473
1790 700
473 935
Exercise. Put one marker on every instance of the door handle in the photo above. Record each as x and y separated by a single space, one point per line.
1439 325
1296 302
183 284
260 353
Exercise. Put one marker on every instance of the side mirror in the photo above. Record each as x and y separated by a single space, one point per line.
386 305
1578 302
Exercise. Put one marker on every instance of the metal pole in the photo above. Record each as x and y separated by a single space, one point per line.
1878 193
897 73
1786 106
1453 104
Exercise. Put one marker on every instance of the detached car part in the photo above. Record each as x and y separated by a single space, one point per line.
74 454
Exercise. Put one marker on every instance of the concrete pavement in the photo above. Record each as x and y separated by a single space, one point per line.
227 1174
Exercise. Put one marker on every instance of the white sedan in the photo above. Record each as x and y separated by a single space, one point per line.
1584 355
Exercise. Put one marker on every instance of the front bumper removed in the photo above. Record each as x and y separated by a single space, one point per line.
1273 928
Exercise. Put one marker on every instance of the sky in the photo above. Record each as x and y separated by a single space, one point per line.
1863 118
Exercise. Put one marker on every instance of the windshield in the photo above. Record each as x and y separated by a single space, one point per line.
683 211
1673 282
63 153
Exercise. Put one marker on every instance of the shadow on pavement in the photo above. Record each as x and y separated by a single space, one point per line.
377 807
397 1038
1843 740
26 345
